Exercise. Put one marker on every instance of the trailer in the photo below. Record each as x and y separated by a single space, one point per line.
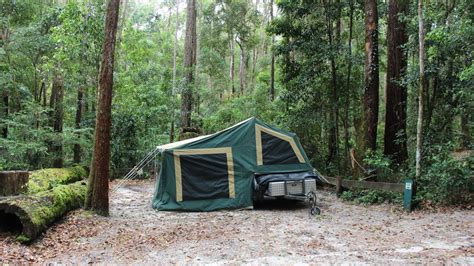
300 186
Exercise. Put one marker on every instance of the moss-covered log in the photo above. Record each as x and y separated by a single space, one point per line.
29 215
46 179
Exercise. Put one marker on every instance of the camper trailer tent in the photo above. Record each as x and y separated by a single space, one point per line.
217 171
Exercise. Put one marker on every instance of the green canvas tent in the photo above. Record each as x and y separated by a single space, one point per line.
216 171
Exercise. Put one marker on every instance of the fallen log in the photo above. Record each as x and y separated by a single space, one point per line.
46 179
30 215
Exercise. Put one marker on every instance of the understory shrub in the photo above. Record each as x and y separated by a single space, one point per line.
446 180
379 165
368 197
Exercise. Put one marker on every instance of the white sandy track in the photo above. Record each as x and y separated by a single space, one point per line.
278 234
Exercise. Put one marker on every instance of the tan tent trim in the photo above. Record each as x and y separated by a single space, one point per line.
258 142
179 183
177 166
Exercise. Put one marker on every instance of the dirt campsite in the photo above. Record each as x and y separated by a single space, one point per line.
278 233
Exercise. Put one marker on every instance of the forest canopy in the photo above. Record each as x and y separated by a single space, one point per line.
342 74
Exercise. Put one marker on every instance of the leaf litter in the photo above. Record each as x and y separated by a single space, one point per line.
277 233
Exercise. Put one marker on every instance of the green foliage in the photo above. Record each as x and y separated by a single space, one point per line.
47 39
26 147
377 164
446 180
237 109
143 98
22 238
369 197
50 38
305 54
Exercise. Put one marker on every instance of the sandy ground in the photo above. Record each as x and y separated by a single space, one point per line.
279 233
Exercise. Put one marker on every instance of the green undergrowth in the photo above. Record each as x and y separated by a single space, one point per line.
46 179
369 197
446 180
23 239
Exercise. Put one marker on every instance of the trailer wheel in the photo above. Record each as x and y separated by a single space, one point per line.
315 211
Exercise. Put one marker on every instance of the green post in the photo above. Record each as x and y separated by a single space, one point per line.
408 194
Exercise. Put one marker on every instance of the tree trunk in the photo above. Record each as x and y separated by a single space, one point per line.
371 70
57 115
272 64
5 36
395 141
121 22
196 99
338 23
419 124
173 89
35 83
79 109
242 68
6 102
44 96
34 156
348 86
232 63
189 65
97 198
254 66
333 142
465 134
42 88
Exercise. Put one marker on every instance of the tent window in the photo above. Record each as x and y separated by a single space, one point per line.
277 151
276 148
204 174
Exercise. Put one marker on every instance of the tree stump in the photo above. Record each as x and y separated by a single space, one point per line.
338 186
13 182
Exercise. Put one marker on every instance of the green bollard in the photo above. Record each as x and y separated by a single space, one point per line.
408 194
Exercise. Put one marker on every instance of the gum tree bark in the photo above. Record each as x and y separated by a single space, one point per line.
333 143
56 116
232 64
6 101
79 108
175 51
395 143
189 65
348 84
242 67
272 64
98 188
5 36
371 70
419 124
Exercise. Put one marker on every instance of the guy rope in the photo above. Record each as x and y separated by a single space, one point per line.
136 170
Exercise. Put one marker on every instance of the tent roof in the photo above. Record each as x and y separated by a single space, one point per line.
191 140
